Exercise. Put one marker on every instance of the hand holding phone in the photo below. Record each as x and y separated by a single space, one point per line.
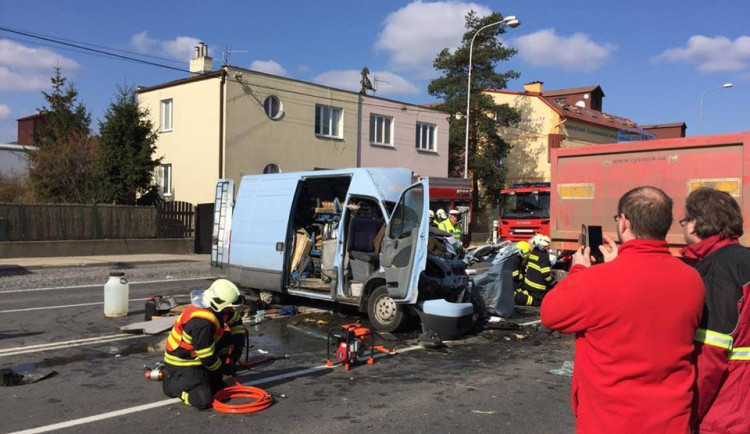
591 237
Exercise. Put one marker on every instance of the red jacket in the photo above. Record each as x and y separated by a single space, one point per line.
723 339
634 320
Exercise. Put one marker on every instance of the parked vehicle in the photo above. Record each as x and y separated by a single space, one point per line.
524 211
353 236
588 181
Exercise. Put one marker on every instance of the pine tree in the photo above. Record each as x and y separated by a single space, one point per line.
61 169
486 147
126 165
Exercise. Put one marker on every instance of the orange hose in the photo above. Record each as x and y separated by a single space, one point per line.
260 399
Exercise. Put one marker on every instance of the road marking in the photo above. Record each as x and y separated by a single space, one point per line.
28 309
524 324
98 285
157 404
7 352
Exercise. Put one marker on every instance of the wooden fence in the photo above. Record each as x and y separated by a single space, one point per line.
40 222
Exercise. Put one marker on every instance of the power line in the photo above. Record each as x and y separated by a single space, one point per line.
94 50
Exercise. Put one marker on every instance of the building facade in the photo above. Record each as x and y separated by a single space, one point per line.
234 122
554 119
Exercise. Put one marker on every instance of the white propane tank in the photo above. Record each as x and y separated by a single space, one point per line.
116 297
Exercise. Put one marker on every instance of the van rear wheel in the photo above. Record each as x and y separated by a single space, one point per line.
385 315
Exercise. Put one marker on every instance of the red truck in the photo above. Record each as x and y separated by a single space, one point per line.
524 211
588 181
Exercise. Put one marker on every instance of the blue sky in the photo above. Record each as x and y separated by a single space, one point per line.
653 59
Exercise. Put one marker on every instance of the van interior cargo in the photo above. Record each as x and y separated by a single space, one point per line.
316 220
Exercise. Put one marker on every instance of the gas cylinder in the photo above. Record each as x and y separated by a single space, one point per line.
116 295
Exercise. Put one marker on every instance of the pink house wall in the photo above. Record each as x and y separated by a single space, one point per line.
404 152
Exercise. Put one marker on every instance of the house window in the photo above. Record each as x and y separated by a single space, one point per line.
426 136
381 130
166 115
164 179
273 107
328 121
271 168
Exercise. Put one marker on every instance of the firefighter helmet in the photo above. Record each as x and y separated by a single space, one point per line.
523 246
540 241
222 294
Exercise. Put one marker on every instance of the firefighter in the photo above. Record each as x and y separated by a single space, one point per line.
520 266
440 217
204 344
537 278
431 216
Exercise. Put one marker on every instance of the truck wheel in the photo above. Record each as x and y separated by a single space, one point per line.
385 315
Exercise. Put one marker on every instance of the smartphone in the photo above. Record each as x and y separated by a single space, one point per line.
591 237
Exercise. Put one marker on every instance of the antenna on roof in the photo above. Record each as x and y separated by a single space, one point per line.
376 82
226 53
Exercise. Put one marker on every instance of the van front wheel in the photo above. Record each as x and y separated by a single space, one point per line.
385 315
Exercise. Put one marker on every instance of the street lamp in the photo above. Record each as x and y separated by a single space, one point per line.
723 86
510 21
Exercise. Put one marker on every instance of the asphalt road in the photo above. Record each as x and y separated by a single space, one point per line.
488 382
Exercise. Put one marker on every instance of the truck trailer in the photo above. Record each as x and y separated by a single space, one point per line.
587 182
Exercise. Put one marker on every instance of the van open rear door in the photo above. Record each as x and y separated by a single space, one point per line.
404 252
223 205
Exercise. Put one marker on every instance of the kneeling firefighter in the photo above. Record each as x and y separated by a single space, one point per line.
537 276
204 345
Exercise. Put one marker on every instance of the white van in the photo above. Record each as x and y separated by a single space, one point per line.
353 236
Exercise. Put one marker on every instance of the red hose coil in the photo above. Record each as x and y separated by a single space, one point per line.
260 399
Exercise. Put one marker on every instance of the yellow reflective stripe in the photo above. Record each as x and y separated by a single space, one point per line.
215 366
515 273
187 338
534 285
174 344
238 330
538 268
740 353
716 339
206 352
533 258
235 319
184 397
176 361
206 315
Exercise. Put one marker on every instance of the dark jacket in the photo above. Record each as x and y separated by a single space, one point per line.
723 377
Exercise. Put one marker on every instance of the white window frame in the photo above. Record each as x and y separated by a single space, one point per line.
429 145
268 110
164 179
166 115
324 115
379 125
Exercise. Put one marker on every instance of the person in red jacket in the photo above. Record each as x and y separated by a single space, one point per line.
634 317
712 225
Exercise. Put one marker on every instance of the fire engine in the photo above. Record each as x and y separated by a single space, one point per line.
524 211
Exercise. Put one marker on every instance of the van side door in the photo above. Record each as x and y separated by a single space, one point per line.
260 230
404 251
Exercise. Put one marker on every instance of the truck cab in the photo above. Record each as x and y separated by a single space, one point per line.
353 236
524 211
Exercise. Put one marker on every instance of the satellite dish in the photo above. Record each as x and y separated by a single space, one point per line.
581 104
585 96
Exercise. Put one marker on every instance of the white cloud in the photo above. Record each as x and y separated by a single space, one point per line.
22 82
717 54
13 54
386 83
4 111
179 48
415 34
574 52
269 67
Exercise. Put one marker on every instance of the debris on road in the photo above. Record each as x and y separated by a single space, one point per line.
566 370
153 327
11 378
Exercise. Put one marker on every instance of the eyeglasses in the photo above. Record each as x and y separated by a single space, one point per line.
617 216
685 220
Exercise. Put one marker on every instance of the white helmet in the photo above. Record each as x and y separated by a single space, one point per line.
540 241
441 214
222 294
431 214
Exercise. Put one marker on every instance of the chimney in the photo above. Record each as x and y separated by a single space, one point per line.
533 87
201 63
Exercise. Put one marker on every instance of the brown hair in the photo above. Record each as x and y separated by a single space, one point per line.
649 211
715 212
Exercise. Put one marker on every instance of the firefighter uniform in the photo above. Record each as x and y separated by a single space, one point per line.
537 276
520 262
198 353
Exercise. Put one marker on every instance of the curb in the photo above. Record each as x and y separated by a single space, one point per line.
123 264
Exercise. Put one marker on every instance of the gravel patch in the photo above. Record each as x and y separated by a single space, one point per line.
21 278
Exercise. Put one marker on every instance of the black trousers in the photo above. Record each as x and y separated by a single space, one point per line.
196 386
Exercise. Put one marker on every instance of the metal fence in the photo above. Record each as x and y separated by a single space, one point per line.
41 222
